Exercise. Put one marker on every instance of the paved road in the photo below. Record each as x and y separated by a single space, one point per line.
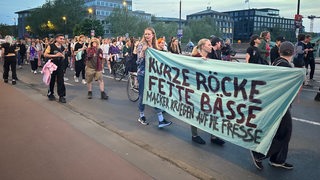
173 144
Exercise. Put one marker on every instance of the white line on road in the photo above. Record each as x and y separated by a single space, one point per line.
306 121
68 84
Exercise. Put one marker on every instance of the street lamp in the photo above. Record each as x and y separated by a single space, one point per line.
90 11
125 4
64 18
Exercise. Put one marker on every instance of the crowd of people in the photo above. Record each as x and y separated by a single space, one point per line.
89 57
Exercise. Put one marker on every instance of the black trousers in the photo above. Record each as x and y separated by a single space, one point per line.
79 67
34 64
279 147
57 76
9 62
312 64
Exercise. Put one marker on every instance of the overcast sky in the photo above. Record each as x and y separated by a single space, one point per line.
170 8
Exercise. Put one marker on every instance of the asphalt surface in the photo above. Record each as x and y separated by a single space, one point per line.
173 145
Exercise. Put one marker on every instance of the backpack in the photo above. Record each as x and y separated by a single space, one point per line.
298 60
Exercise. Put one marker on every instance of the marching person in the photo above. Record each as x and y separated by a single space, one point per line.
148 40
55 52
9 50
94 68
278 151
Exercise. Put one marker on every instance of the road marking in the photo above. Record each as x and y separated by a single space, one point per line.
306 121
68 84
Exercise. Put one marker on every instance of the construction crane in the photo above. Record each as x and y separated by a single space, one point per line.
312 17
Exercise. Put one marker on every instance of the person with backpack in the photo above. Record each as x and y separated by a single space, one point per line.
278 151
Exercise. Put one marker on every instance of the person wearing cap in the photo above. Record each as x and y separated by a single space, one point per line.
274 53
253 54
216 48
55 52
278 150
94 67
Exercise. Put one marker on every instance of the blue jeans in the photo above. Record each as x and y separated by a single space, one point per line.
141 89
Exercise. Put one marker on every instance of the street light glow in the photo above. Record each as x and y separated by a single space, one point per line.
90 10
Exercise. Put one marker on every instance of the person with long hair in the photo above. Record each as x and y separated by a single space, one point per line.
203 50
9 50
175 46
149 40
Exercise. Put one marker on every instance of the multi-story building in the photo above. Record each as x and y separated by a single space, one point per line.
101 9
253 21
223 21
23 29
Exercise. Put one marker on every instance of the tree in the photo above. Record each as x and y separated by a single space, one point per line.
167 30
87 25
49 18
7 30
123 21
198 29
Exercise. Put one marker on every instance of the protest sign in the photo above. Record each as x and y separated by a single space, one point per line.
238 102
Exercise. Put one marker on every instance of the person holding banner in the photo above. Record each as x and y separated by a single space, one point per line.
203 49
148 40
278 151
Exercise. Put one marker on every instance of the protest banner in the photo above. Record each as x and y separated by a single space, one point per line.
238 102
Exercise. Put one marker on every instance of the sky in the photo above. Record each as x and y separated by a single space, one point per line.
170 8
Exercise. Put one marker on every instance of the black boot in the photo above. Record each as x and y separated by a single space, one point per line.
317 98
89 94
103 95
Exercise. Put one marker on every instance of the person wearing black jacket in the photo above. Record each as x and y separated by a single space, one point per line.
9 50
274 53
216 48
278 151
309 57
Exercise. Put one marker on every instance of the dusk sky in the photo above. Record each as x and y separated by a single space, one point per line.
170 8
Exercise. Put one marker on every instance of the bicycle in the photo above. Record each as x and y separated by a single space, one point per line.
119 70
133 87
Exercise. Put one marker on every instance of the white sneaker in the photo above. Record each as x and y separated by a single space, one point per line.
84 81
20 67
65 79
34 72
75 79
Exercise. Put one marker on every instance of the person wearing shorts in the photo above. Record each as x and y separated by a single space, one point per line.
93 68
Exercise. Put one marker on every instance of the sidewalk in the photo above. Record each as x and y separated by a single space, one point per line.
35 144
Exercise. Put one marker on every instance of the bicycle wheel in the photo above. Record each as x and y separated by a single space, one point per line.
122 72
132 88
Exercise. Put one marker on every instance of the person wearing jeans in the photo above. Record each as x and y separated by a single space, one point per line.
149 40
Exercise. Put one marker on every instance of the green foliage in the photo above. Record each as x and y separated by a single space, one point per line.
123 21
48 19
86 26
167 30
8 30
198 29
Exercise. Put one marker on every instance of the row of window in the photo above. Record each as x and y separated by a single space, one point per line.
214 16
107 4
103 13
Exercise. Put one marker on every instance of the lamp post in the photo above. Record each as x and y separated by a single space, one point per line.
124 3
64 18
90 11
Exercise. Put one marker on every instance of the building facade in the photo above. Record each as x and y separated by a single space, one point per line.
253 21
223 21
